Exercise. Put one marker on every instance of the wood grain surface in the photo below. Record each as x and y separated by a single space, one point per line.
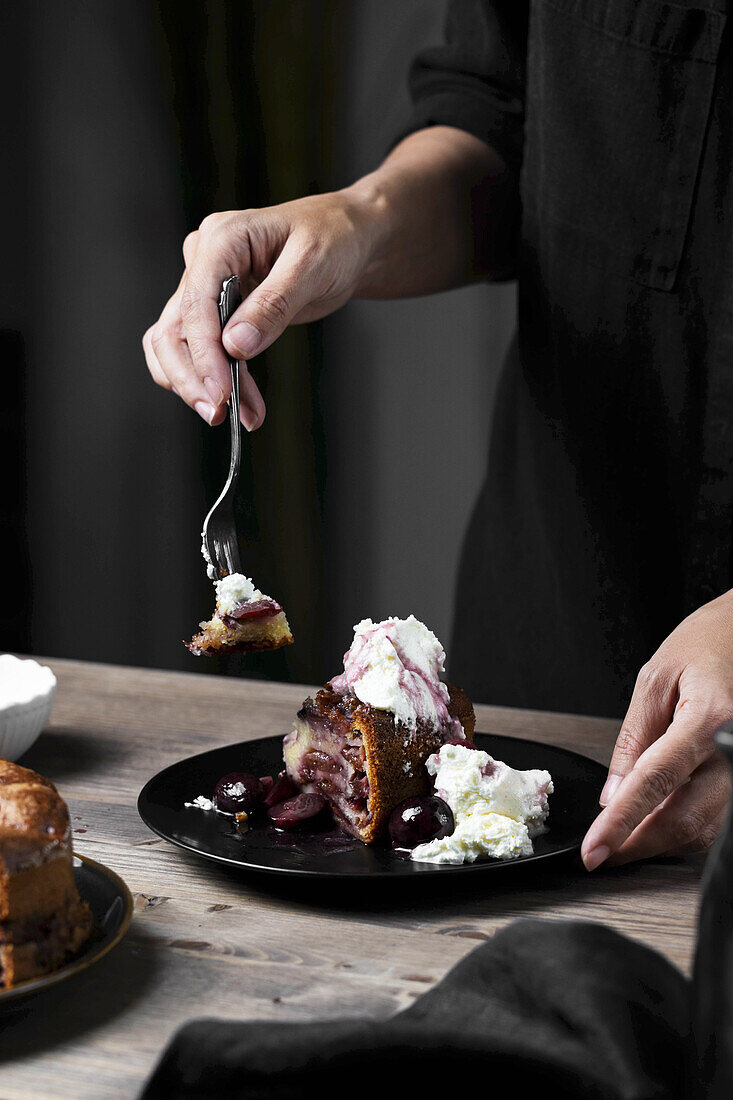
207 941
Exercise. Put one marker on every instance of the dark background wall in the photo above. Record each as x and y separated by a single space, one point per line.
125 124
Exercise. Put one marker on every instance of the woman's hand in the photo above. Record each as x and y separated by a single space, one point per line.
668 787
296 262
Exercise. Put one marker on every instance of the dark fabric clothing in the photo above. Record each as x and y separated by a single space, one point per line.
546 1008
605 517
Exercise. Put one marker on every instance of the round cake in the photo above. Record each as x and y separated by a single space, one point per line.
42 918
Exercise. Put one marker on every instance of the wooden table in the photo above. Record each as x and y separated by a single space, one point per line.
205 941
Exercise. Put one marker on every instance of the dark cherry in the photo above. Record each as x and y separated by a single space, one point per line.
296 811
267 783
418 820
282 789
462 741
238 791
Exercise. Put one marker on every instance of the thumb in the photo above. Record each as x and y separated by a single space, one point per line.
268 310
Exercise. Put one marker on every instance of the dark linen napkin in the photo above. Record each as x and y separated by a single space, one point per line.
555 1008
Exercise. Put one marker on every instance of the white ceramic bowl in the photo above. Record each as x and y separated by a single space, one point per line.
26 697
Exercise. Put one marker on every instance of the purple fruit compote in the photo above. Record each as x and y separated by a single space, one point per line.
301 810
265 608
281 790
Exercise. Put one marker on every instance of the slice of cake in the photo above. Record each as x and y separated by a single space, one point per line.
42 918
245 621
362 741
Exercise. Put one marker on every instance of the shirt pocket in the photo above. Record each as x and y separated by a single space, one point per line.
618 99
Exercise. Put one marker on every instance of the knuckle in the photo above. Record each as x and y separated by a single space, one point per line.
626 819
630 744
189 242
273 307
707 837
216 224
157 336
650 677
198 348
190 305
659 782
687 829
209 223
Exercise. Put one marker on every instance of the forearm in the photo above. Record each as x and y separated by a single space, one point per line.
442 211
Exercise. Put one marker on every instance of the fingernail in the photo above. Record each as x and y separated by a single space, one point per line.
610 787
248 417
596 856
205 411
244 338
215 392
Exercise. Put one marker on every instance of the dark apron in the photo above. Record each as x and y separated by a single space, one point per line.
606 513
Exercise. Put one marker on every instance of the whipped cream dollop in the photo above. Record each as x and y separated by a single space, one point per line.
497 809
234 590
21 681
396 665
480 834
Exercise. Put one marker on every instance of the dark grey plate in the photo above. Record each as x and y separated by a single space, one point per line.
578 782
111 904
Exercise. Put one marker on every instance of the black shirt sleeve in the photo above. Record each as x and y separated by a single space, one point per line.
475 80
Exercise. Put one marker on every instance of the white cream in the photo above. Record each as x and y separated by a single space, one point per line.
478 834
497 810
22 681
471 781
396 665
234 590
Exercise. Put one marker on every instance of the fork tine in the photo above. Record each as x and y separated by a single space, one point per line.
231 554
228 549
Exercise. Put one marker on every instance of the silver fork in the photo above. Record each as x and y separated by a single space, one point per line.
219 538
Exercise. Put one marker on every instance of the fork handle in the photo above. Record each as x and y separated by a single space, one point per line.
229 300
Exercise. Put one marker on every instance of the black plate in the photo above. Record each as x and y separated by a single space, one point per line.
573 806
111 904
